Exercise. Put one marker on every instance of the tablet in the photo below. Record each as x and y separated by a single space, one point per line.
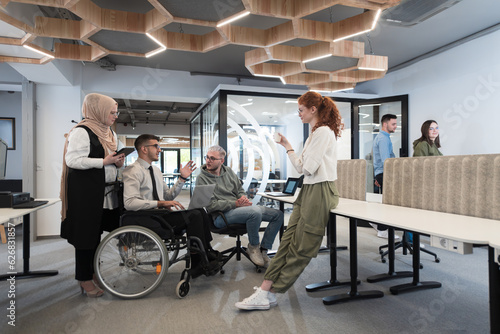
126 150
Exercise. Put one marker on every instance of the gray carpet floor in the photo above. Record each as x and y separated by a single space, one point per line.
55 305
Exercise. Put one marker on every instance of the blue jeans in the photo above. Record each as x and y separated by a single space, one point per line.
252 216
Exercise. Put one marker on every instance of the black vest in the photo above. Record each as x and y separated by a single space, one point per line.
82 226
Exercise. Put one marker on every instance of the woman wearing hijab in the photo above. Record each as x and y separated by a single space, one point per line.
88 205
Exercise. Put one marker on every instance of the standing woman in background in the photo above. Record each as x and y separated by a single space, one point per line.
428 144
318 195
88 206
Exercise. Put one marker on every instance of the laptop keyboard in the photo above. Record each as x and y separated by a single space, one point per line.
29 205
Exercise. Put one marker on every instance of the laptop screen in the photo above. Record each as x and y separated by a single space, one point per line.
291 185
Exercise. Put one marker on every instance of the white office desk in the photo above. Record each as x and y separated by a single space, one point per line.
6 214
450 226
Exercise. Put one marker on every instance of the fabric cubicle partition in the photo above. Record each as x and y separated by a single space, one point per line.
468 185
351 179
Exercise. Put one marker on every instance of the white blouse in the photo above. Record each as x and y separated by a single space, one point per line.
77 157
318 160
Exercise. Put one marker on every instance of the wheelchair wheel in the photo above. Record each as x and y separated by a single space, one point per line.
182 289
131 262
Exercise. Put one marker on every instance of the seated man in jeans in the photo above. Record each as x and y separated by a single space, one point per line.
230 198
144 189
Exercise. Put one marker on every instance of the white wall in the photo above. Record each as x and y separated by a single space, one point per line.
459 88
56 107
10 106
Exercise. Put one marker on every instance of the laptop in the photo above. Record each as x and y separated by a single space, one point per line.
289 190
201 196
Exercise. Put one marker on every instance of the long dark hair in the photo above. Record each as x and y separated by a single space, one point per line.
328 113
425 133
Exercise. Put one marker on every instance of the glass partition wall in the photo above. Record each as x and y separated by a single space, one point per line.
368 114
247 124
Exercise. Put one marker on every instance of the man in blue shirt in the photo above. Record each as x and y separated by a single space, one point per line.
382 149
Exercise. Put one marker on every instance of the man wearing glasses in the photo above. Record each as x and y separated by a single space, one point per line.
230 198
144 189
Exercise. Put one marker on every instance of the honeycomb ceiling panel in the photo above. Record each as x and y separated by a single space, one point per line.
334 14
191 61
331 64
135 6
259 22
276 37
299 42
207 10
124 41
188 28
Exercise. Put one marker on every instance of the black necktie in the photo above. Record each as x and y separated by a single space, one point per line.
155 192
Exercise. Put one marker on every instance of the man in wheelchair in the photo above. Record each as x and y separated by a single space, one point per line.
144 189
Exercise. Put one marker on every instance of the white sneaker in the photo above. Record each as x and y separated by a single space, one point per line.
385 235
265 258
255 255
272 299
257 301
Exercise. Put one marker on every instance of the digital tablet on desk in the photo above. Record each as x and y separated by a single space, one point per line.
289 189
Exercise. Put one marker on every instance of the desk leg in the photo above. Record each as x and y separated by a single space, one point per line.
494 282
391 274
26 257
354 293
416 284
333 282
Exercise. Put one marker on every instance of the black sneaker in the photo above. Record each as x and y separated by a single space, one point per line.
212 268
196 271
214 255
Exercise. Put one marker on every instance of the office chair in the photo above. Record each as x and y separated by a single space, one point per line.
235 231
407 246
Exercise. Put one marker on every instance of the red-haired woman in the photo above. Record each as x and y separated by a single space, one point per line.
306 227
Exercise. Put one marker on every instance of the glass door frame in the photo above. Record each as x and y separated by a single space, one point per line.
177 150
404 122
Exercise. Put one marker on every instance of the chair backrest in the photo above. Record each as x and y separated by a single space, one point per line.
462 184
351 179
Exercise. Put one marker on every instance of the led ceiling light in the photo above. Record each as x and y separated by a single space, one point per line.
38 51
271 76
160 49
317 58
374 24
232 19
371 69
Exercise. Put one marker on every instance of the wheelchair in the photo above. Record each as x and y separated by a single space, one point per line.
133 260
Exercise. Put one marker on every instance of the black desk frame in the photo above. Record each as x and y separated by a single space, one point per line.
27 273
354 294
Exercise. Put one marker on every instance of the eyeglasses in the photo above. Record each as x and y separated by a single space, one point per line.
116 114
432 129
211 158
155 145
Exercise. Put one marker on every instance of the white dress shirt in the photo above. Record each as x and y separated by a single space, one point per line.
138 187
